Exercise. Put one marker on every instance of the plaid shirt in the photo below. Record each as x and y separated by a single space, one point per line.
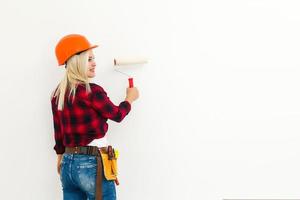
86 118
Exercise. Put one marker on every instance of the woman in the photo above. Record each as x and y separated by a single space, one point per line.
80 113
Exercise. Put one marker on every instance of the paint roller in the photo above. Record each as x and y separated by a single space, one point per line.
128 61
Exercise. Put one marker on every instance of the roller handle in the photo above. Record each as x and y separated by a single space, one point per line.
130 80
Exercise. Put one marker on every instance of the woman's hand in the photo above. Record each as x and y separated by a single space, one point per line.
59 157
132 94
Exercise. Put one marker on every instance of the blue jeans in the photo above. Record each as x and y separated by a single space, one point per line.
78 178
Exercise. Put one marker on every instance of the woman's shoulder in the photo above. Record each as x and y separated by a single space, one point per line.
97 88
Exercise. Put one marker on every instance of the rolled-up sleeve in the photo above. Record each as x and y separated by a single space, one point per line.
58 133
102 104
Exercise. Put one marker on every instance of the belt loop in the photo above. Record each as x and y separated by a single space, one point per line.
89 150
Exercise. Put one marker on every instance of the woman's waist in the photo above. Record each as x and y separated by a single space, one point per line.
100 142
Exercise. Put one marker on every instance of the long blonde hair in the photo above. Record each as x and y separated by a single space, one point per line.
76 72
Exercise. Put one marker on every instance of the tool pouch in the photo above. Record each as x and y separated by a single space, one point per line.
109 160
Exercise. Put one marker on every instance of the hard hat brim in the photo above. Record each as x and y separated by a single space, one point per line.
91 47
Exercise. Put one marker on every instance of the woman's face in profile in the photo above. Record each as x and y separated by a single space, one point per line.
91 65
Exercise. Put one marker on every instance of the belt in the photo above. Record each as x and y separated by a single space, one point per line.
93 151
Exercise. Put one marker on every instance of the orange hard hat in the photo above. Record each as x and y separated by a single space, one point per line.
70 45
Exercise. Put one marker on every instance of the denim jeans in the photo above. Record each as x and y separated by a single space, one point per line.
78 178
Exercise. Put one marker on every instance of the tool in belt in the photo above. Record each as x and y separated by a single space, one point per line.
105 154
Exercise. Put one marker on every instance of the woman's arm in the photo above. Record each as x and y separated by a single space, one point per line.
58 134
59 157
103 105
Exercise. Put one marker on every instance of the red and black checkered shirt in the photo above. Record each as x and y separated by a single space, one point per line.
84 119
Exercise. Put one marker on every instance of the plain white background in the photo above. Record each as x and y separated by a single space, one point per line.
218 114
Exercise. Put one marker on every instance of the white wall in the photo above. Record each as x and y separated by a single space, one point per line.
218 114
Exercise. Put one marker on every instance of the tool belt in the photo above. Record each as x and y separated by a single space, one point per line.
106 161
109 160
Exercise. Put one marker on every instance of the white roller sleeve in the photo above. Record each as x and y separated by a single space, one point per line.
130 61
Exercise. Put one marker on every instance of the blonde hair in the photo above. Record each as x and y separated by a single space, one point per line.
76 72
